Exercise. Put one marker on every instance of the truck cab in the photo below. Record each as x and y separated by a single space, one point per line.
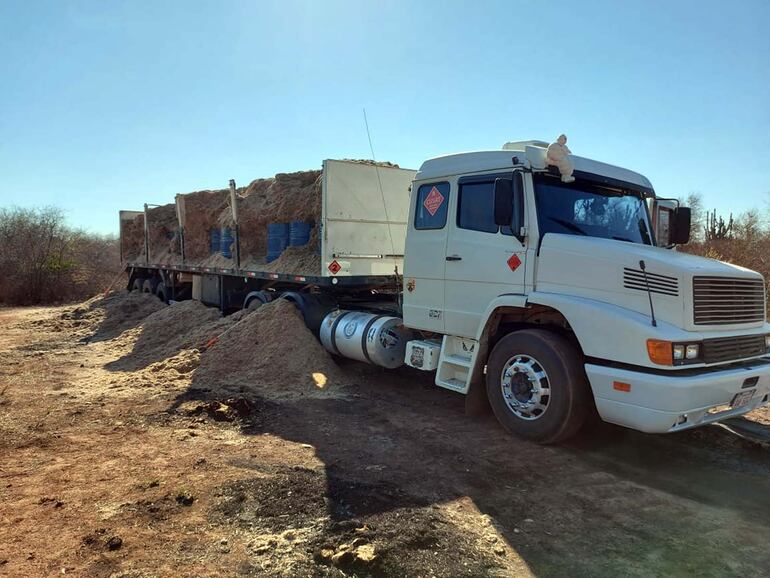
551 299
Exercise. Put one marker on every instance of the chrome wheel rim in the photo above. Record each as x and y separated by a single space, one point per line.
525 386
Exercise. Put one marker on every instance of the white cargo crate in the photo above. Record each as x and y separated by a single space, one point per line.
363 226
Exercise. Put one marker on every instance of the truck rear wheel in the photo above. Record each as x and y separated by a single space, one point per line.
536 386
138 284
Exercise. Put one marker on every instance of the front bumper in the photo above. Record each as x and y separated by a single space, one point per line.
660 403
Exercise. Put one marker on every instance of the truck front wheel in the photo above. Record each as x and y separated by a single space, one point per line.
537 387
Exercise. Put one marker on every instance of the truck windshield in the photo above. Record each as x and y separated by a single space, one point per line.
587 208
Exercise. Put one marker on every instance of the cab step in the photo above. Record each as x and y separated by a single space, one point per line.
458 356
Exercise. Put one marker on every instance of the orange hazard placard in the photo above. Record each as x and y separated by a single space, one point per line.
433 201
334 267
514 262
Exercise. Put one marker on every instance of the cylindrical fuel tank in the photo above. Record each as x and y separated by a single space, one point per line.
368 337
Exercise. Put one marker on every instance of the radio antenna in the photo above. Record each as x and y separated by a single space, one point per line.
384 204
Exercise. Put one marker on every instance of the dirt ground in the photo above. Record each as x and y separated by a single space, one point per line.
128 449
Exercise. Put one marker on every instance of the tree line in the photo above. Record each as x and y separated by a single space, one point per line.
43 260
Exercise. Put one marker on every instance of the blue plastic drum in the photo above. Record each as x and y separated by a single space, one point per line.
227 240
277 240
215 241
299 233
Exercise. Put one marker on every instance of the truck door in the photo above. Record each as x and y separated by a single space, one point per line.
424 257
483 260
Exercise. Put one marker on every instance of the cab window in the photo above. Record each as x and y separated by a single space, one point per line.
476 208
432 202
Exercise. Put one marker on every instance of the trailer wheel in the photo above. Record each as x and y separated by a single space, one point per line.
161 292
138 284
537 387
257 299
149 286
255 304
313 307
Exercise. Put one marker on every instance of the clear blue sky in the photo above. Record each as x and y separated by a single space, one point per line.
109 104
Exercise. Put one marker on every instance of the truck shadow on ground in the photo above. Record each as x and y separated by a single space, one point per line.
611 502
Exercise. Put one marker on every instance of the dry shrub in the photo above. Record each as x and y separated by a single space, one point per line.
748 244
44 261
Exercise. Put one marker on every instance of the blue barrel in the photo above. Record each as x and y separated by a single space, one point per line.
299 233
277 240
227 241
215 241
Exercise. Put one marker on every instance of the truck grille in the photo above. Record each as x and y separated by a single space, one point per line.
662 284
727 300
733 348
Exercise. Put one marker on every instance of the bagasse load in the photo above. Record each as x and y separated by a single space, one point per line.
132 239
286 197
202 210
163 235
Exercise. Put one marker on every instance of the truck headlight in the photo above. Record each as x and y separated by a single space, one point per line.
668 353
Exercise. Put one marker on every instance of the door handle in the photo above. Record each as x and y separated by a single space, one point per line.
454 258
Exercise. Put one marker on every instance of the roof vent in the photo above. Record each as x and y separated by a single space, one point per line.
519 145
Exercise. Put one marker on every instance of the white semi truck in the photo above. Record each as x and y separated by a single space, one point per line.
550 301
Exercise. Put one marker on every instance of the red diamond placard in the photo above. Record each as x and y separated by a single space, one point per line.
514 262
334 267
433 201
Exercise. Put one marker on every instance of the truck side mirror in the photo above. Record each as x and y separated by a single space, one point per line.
680 234
503 201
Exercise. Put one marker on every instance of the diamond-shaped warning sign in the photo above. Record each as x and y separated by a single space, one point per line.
433 201
334 267
514 262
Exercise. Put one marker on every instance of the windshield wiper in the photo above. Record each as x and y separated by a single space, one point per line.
568 225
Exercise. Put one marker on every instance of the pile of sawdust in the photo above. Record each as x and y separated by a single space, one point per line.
174 328
188 325
163 235
132 239
271 347
179 366
106 317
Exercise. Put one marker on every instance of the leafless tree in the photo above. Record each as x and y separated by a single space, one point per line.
42 260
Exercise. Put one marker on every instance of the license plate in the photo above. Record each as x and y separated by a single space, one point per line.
742 398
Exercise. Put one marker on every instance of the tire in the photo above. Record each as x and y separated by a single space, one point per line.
138 284
161 293
543 395
257 299
149 286
314 308
254 304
